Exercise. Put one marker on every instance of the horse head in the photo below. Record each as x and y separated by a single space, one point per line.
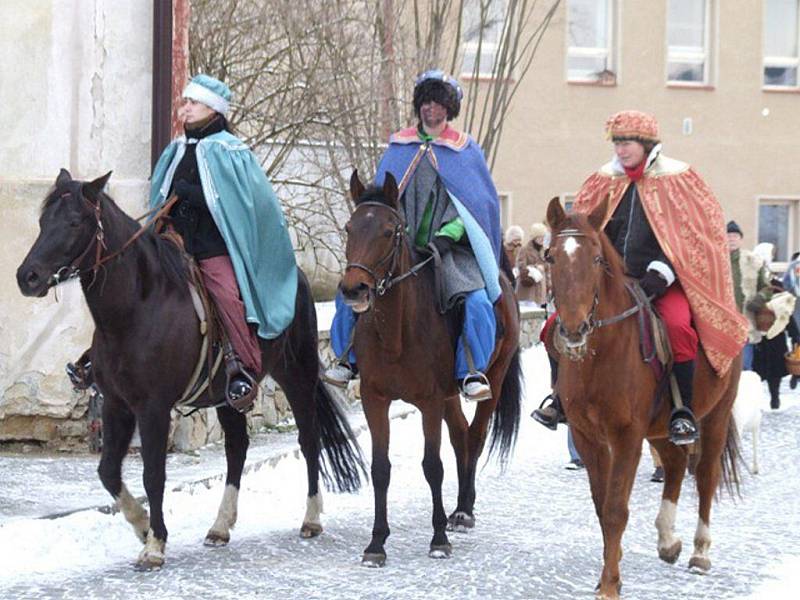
69 228
579 259
374 242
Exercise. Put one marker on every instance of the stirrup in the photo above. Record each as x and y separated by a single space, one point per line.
80 375
476 387
552 414
683 427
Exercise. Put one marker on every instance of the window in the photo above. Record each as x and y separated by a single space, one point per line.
687 41
483 24
505 209
781 43
590 55
777 224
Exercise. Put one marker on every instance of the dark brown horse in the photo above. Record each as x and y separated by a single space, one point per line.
608 394
405 350
145 347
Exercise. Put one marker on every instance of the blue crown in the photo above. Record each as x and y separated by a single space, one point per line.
439 75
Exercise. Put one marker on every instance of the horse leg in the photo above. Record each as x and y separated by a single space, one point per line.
755 432
376 410
154 430
709 467
626 449
434 474
118 426
476 443
673 459
458 427
234 425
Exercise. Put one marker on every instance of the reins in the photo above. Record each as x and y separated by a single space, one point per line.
388 281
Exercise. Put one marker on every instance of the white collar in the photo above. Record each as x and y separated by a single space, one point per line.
618 168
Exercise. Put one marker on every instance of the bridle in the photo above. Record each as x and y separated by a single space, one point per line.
98 240
388 280
590 322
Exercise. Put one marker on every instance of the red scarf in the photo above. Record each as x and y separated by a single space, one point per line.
635 174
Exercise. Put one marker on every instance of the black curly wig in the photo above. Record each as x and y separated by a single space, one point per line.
435 90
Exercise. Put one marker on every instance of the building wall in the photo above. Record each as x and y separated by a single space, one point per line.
76 93
744 140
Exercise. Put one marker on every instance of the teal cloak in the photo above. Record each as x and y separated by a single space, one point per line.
250 219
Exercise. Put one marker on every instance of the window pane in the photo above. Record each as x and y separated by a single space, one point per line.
587 23
681 71
780 28
780 76
686 23
581 67
773 227
487 59
490 22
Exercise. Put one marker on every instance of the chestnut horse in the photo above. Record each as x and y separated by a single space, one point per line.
405 349
145 347
609 395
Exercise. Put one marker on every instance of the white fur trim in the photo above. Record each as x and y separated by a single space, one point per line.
662 269
199 93
617 167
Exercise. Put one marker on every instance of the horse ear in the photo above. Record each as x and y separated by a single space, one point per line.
93 188
63 178
356 187
390 190
598 216
555 214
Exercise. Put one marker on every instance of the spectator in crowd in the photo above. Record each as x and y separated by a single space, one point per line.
512 242
531 269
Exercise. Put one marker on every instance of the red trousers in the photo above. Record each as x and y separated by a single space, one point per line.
220 280
674 310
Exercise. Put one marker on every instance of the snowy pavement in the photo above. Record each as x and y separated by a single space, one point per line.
536 534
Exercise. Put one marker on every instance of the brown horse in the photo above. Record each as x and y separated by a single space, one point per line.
405 350
608 394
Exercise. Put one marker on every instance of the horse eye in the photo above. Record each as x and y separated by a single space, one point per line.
75 223
388 233
549 257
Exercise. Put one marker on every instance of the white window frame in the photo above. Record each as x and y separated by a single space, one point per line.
793 232
781 61
609 52
505 205
487 69
686 54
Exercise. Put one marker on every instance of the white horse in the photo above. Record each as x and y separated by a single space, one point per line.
747 410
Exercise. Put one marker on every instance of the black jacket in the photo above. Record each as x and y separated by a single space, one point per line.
190 214
631 234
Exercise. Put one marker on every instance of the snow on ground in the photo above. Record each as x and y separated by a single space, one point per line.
536 534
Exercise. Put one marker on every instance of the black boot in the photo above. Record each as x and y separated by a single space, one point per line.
682 424
241 388
80 372
774 386
552 414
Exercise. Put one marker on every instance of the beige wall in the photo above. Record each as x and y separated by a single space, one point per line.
75 93
554 137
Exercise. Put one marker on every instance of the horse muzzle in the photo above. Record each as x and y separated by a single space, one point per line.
33 281
359 297
572 345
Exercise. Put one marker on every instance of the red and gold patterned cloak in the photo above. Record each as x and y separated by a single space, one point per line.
688 223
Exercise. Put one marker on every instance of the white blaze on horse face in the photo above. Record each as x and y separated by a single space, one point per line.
570 246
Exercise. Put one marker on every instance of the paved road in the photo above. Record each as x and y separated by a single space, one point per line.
536 535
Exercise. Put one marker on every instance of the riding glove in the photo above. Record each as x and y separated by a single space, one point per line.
442 243
653 284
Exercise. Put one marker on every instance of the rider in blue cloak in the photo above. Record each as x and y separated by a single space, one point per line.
451 207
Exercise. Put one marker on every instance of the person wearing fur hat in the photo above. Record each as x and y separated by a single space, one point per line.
512 242
451 208
232 224
655 204
533 279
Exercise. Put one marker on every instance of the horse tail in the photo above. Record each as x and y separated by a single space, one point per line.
729 460
505 424
342 460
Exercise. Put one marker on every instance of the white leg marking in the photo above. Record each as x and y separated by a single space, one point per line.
134 513
228 511
665 523
152 555
702 540
313 509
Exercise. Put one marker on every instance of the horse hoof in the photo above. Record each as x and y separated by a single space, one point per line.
310 530
373 560
460 522
440 550
671 554
149 562
216 540
700 565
